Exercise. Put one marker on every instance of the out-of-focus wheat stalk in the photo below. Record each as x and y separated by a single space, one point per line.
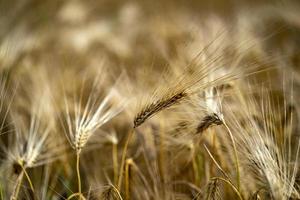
89 116
266 144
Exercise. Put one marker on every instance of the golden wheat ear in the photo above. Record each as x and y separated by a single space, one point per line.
167 96
209 121
85 116
203 72
155 107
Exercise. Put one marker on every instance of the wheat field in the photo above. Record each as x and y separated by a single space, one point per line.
149 100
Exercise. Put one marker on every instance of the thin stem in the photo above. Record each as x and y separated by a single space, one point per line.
115 161
235 156
161 159
15 194
78 173
1 193
28 179
216 163
196 169
127 178
123 158
212 134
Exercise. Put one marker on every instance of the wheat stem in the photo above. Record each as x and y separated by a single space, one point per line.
237 165
16 191
124 153
161 160
127 178
115 161
196 169
28 179
1 193
20 179
78 173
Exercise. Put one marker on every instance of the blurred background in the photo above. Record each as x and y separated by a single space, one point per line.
63 39
135 34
